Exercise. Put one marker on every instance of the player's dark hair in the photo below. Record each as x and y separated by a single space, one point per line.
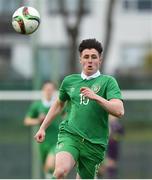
90 44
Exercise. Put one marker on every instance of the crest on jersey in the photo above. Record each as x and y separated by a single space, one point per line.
96 88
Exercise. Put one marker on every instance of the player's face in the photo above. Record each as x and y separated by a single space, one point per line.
90 61
48 91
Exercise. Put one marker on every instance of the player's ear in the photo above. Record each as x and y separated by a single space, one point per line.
80 61
100 61
101 58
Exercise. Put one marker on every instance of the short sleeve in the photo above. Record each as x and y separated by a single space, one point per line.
63 96
113 90
33 111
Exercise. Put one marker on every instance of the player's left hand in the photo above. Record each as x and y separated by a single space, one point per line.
87 92
40 135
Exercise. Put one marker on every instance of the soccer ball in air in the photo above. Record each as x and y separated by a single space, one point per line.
26 20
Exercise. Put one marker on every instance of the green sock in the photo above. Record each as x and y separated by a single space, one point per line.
48 175
53 177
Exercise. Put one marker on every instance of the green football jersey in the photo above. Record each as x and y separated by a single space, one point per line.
86 117
38 109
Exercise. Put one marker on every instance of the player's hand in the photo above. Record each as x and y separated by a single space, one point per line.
40 136
87 92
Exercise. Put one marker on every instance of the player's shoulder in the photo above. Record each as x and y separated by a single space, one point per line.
72 77
36 103
107 77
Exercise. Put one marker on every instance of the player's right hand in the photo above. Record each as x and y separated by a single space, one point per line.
40 136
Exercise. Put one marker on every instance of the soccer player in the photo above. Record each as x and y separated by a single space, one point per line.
83 136
109 169
35 116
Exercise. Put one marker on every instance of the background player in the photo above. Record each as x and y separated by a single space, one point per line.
35 116
109 169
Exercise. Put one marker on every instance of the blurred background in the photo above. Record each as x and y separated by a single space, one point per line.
125 29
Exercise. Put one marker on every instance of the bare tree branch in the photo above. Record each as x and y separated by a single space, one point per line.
73 31
109 27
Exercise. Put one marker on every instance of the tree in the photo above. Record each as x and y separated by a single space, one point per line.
72 30
108 28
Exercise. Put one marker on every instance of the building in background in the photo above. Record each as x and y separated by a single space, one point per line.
130 44
26 61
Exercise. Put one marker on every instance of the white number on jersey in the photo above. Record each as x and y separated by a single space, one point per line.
83 100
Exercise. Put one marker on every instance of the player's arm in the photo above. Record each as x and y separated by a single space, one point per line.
33 117
113 106
55 109
28 121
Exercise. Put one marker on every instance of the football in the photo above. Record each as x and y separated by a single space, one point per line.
26 20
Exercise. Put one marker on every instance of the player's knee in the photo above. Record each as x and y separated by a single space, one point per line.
60 172
49 167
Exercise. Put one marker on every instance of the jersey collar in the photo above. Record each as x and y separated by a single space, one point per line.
95 75
49 103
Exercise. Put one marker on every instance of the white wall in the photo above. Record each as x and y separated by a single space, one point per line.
22 60
129 28
132 28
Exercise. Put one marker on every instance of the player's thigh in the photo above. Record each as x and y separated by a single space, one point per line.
50 162
87 169
44 149
50 158
68 143
90 160
64 160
